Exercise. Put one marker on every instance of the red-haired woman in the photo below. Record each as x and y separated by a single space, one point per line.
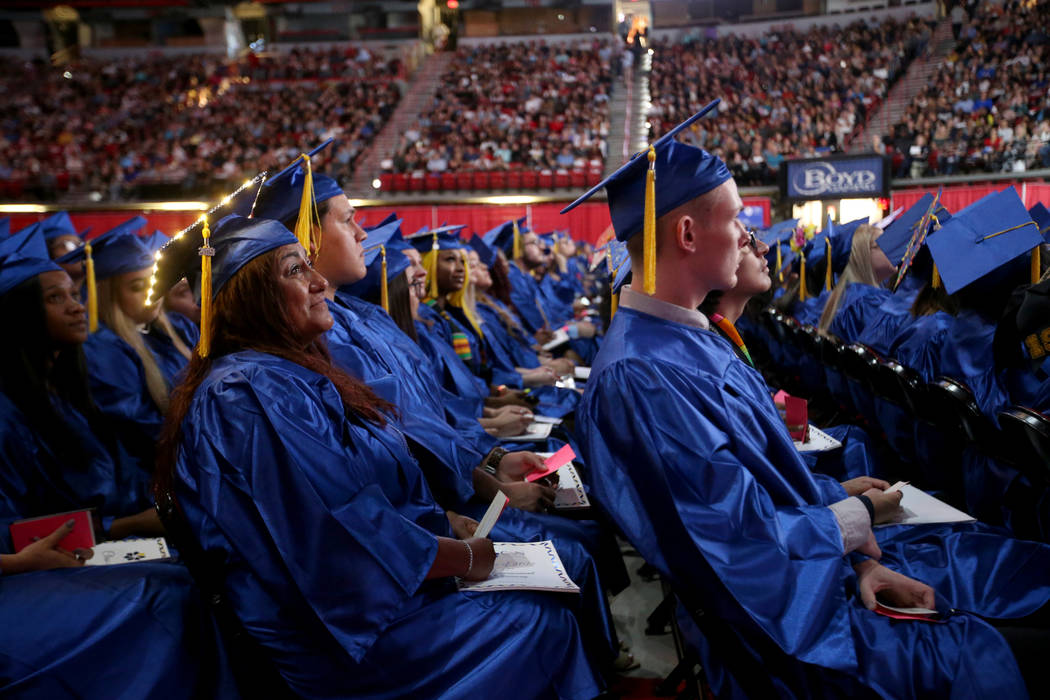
338 560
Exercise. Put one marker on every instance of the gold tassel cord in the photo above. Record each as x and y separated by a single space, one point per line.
649 227
615 302
308 223
384 294
516 247
827 266
780 264
935 280
802 276
1006 230
430 261
1037 264
206 252
92 290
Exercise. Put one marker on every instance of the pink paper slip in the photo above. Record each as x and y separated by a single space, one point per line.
553 463
81 536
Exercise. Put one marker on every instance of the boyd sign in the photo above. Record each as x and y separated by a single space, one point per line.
835 178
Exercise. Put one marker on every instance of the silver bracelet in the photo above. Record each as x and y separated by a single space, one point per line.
470 558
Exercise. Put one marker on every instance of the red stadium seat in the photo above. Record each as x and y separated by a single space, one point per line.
399 182
448 181
497 180
513 179
529 180
545 180
481 180
594 176
433 182
562 180
415 182
579 178
386 182
464 181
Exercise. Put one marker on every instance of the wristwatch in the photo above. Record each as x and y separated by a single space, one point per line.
492 461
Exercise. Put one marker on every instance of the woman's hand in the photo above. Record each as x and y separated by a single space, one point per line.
855 487
539 376
533 497
895 589
44 554
508 424
562 366
462 526
516 465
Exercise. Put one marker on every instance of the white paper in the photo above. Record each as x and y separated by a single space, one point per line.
546 419
566 383
582 373
128 551
525 566
570 493
818 441
492 513
561 336
534 432
920 508
909 611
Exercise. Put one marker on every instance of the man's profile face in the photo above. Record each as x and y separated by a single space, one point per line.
721 237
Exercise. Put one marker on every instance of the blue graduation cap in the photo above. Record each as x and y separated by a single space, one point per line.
116 251
1041 216
619 265
505 238
156 240
437 239
486 254
778 238
58 224
382 242
916 232
895 237
818 251
23 256
390 218
685 173
842 244
981 238
295 192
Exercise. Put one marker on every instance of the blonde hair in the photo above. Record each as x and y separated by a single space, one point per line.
110 313
466 298
858 271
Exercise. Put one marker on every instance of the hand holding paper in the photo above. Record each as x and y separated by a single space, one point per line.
553 463
499 502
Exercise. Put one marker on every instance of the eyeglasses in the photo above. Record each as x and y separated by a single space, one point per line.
751 240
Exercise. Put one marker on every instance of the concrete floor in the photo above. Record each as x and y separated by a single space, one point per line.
630 608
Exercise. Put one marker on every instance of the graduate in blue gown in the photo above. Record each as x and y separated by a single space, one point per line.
703 478
134 353
59 453
137 630
338 561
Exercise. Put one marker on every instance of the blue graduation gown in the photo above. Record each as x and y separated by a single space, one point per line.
860 304
808 312
170 361
330 529
704 480
124 631
118 386
35 481
525 297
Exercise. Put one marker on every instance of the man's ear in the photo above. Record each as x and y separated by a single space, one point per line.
685 233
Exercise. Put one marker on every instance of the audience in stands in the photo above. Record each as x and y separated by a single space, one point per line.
183 125
786 94
536 105
987 107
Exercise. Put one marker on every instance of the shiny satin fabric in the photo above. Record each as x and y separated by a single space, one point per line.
170 361
329 530
450 371
860 304
118 387
35 481
808 312
694 463
525 294
124 631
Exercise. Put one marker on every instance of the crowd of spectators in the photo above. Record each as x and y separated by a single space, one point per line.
785 94
987 108
183 125
532 105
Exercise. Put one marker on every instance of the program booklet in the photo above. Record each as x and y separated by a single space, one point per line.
817 441
570 493
130 551
525 566
920 508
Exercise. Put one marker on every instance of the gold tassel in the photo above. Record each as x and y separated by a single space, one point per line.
92 290
384 295
308 234
780 264
206 252
516 249
802 276
615 302
827 270
649 227
935 281
1036 264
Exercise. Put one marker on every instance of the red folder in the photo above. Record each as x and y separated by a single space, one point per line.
23 532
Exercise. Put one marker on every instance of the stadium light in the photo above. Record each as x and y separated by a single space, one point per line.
453 4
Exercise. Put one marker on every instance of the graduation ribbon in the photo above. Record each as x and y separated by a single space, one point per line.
730 330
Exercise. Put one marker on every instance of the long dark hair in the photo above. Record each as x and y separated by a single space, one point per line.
500 274
400 304
33 368
249 314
